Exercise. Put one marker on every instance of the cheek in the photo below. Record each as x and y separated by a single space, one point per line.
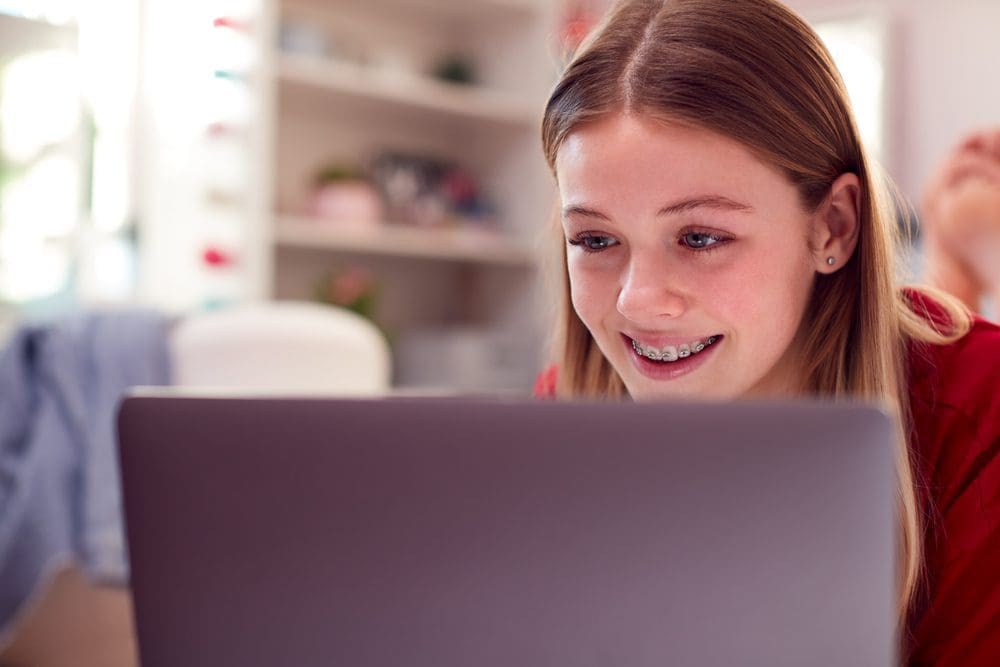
766 291
592 293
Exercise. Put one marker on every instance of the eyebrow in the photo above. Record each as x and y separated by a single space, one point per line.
702 201
705 201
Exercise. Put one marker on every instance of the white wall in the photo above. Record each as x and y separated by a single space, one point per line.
943 81
179 165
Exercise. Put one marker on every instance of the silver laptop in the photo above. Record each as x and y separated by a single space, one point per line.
459 533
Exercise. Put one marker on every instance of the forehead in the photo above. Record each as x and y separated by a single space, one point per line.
625 155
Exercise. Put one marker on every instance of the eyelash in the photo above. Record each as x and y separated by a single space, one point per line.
718 240
580 240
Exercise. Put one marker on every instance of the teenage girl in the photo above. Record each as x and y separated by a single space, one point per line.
724 235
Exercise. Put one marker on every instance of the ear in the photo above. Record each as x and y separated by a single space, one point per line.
836 224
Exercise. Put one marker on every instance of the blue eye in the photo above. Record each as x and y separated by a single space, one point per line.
700 240
593 242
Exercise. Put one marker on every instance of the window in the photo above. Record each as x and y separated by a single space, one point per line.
858 46
67 73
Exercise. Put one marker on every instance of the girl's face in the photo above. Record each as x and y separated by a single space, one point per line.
689 259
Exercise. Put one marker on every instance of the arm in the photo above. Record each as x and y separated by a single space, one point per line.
960 626
956 420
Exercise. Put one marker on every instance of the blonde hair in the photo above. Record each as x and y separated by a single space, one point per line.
754 71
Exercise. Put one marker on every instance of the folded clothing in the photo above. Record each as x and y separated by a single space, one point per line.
60 386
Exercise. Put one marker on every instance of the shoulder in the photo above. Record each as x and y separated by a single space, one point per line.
955 406
954 394
963 375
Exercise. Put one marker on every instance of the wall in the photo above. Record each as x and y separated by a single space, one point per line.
943 78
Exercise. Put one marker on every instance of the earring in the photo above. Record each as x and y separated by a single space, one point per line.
831 261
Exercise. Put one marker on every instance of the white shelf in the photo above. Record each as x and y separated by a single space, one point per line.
455 244
407 91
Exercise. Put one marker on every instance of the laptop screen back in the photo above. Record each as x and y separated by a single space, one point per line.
453 533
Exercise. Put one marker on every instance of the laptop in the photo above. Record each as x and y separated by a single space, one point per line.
497 533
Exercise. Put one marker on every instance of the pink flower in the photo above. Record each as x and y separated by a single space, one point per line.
350 286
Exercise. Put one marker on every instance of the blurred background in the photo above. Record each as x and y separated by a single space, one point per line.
380 155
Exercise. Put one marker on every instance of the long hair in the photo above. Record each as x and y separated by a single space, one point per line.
756 72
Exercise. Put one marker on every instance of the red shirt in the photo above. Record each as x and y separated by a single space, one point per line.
955 398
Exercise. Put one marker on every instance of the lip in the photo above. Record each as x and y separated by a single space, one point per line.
673 370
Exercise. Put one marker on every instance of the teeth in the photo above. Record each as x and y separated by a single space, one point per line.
671 353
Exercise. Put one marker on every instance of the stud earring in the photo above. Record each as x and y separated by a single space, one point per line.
831 261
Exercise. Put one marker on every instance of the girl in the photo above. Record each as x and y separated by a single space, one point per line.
725 235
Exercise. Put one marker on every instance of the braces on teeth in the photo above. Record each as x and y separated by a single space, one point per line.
672 353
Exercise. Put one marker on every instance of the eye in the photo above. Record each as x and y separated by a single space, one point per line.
593 242
701 240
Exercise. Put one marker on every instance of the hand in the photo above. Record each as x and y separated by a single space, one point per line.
971 211
962 219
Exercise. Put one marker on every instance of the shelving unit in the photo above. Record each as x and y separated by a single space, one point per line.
472 291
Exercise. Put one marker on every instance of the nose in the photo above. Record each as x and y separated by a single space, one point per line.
651 291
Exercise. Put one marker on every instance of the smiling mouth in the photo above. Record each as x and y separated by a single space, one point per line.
673 353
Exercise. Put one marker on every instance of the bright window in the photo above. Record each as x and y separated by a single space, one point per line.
858 47
67 80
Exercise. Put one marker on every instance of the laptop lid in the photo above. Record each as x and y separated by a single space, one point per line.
495 533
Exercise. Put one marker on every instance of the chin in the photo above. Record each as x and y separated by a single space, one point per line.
642 389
